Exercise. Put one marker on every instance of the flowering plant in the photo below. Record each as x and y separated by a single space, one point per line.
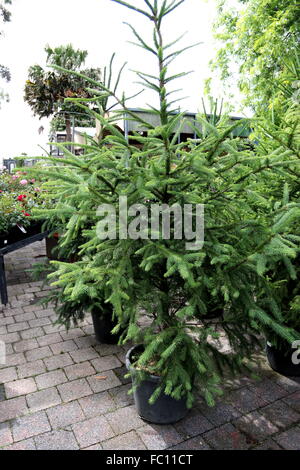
18 196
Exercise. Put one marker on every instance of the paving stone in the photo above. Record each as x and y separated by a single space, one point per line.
14 359
27 444
57 362
86 341
291 384
31 369
120 395
10 409
193 424
102 364
76 371
92 431
120 373
56 440
94 447
269 444
44 399
50 379
124 419
52 328
108 349
8 374
128 441
159 437
24 316
32 333
19 387
63 415
5 435
245 400
73 333
268 390
49 339
293 400
219 414
10 338
82 355
110 380
17 327
3 330
196 443
38 353
97 404
280 414
6 321
30 425
47 312
289 440
64 346
39 322
226 437
74 390
256 426
26 345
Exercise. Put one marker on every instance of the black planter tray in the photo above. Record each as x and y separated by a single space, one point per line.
32 235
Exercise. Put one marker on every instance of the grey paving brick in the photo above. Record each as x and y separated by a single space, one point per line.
128 441
82 355
38 353
52 328
245 400
8 374
219 414
63 415
280 414
293 400
102 364
56 440
124 419
27 444
256 426
226 437
94 447
19 387
21 317
64 346
10 338
37 322
14 360
120 395
58 361
290 439
25 345
97 404
49 339
76 371
30 425
86 341
193 424
269 444
195 443
108 349
6 321
50 379
31 369
159 437
291 384
99 384
75 389
73 333
32 333
44 399
17 327
92 431
5 435
268 390
10 409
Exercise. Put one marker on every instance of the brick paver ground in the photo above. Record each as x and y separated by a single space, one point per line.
63 390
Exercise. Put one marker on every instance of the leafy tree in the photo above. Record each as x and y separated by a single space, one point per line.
45 91
259 37
5 17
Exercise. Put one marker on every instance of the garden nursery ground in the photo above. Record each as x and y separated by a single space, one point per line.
64 390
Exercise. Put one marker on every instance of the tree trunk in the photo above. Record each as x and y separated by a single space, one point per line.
68 130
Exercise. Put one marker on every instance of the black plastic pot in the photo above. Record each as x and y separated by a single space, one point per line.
103 324
16 235
282 363
166 410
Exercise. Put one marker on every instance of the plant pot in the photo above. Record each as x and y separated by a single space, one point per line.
16 235
166 410
103 324
282 363
51 247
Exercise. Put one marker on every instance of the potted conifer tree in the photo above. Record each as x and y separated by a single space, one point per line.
165 272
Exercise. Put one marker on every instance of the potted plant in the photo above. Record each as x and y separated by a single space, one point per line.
162 281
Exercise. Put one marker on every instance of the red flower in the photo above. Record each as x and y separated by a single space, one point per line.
21 197
27 215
